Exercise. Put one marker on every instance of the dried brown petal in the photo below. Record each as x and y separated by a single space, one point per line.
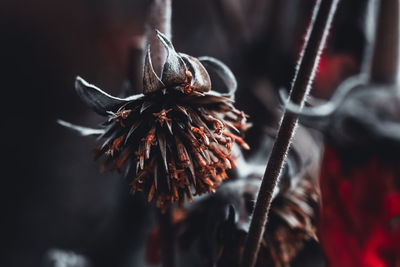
224 80
97 99
174 71
173 140
151 82
201 80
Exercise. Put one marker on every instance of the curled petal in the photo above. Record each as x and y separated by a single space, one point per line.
201 80
223 79
371 122
388 129
328 108
97 99
151 82
174 71
170 156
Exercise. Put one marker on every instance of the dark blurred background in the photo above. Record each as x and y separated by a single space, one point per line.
53 195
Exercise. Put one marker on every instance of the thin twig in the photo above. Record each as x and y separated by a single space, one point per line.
317 33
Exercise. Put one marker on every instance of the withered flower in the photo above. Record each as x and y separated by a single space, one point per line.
175 139
214 230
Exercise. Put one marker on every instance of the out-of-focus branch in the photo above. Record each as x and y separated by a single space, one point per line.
318 30
386 55
135 66
167 239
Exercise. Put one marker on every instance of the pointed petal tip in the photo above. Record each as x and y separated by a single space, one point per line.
164 40
62 122
151 81
174 70
84 131
79 79
80 82
95 98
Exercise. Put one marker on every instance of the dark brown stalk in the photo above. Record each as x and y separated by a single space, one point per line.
385 59
317 33
159 18
135 65
167 238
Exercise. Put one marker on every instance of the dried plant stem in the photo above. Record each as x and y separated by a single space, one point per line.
166 238
159 18
318 30
386 55
135 65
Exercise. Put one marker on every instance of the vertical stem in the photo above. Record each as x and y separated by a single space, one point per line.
385 59
135 66
370 33
167 239
159 18
317 33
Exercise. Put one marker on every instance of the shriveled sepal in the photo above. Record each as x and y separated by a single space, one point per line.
200 81
174 71
223 79
151 81
97 99
175 140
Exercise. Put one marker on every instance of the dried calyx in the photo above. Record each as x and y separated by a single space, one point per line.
174 140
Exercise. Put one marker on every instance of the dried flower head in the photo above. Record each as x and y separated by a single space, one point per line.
175 139
213 231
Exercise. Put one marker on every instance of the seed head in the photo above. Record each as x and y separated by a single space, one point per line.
174 140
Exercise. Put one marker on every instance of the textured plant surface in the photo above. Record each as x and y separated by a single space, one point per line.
174 140
213 231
